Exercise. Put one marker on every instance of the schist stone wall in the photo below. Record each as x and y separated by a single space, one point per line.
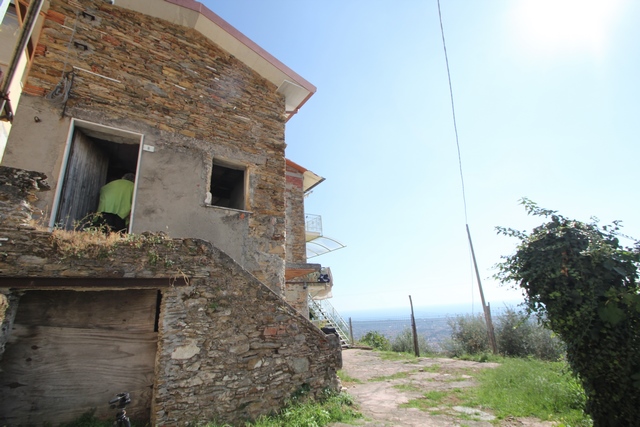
295 290
190 100
228 348
296 242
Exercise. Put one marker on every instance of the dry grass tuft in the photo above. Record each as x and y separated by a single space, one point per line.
90 242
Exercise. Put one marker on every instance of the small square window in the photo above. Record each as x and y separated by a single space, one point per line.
227 185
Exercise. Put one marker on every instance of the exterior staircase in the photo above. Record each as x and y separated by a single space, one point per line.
325 316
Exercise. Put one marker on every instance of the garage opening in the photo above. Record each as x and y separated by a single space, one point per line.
72 351
95 156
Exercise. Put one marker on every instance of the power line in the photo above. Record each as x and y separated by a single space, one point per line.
453 111
485 307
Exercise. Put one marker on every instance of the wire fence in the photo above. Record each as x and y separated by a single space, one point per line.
435 329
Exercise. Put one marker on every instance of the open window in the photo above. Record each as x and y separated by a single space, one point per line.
227 185
95 156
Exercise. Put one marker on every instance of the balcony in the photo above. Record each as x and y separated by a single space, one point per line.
317 243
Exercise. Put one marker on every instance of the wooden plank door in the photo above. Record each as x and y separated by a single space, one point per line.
85 174
72 351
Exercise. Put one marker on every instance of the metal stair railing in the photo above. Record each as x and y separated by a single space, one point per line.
324 312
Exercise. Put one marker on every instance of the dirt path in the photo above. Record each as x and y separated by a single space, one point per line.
380 387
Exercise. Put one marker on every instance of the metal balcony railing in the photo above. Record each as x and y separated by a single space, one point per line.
313 224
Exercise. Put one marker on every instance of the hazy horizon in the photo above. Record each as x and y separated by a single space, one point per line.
424 311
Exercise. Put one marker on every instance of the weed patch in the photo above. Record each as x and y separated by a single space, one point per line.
429 400
333 408
530 388
395 376
396 356
347 379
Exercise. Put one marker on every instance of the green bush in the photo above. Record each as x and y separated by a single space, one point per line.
546 345
468 336
585 283
512 330
376 340
403 343
518 335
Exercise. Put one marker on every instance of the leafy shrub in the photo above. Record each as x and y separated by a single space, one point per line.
468 336
546 345
519 336
586 284
403 343
376 340
512 330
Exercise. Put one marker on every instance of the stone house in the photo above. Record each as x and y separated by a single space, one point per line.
195 312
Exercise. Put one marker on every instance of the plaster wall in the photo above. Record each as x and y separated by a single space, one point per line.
38 145
14 98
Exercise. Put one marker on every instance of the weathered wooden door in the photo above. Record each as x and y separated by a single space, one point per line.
85 174
72 351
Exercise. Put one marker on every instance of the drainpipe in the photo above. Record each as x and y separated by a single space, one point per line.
27 29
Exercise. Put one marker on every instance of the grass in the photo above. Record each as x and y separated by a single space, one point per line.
430 400
308 413
395 356
482 357
407 387
334 408
397 375
348 379
519 388
531 388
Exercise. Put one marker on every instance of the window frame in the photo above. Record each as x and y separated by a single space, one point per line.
221 162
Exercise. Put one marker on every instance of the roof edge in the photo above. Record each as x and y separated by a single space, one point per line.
231 30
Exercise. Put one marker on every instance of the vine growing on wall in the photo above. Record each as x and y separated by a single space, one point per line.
583 283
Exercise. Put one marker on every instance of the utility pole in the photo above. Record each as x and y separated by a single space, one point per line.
485 307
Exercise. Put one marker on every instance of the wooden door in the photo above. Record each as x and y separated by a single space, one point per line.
85 174
72 351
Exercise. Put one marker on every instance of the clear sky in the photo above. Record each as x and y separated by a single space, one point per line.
547 97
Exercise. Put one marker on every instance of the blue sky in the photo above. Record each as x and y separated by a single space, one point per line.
547 97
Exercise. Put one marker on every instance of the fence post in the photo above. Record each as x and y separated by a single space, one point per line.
416 349
351 332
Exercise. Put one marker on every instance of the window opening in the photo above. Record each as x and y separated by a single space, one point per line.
227 185
95 159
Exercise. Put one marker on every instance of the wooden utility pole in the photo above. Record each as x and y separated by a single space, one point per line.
416 349
351 332
485 307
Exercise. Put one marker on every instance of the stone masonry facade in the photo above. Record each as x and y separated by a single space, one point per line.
296 242
229 348
189 97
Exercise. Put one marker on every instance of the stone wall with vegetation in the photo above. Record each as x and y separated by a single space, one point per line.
229 348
